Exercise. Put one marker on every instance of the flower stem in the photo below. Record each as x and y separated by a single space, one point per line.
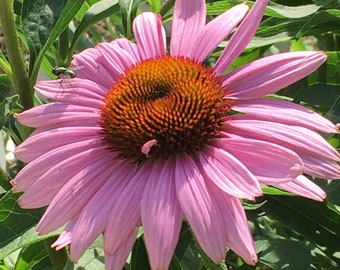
58 258
15 56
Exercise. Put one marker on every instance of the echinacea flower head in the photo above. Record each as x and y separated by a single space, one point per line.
150 136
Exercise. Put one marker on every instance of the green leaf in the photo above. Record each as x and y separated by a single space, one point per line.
31 255
318 222
155 5
128 10
14 222
95 13
139 256
281 11
8 106
93 258
43 22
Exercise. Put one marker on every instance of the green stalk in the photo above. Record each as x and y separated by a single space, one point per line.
15 56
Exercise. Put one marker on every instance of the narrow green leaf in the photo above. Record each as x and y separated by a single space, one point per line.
155 5
281 11
128 10
95 13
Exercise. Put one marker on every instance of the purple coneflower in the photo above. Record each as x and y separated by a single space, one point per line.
148 137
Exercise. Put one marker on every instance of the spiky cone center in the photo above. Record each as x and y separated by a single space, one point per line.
162 108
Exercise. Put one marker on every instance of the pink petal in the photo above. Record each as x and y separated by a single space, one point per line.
200 208
161 215
319 167
239 237
53 113
284 112
116 58
59 160
208 38
44 140
90 61
75 194
188 20
125 214
150 35
77 91
65 237
118 259
242 37
228 173
130 47
298 139
93 218
271 73
304 187
269 162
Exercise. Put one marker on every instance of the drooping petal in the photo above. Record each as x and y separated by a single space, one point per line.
74 195
242 37
304 187
270 74
208 38
54 113
319 167
188 20
229 174
270 163
160 200
89 62
150 35
125 215
78 151
284 112
93 218
239 237
117 58
65 238
117 260
44 140
77 91
291 137
200 208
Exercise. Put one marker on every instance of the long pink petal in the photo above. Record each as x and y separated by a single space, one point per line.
304 187
54 113
93 218
284 112
239 237
125 215
31 173
44 140
160 200
200 208
228 173
319 167
129 47
89 62
65 238
117 58
270 74
270 163
76 91
117 260
74 195
188 20
298 139
242 37
208 38
150 35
